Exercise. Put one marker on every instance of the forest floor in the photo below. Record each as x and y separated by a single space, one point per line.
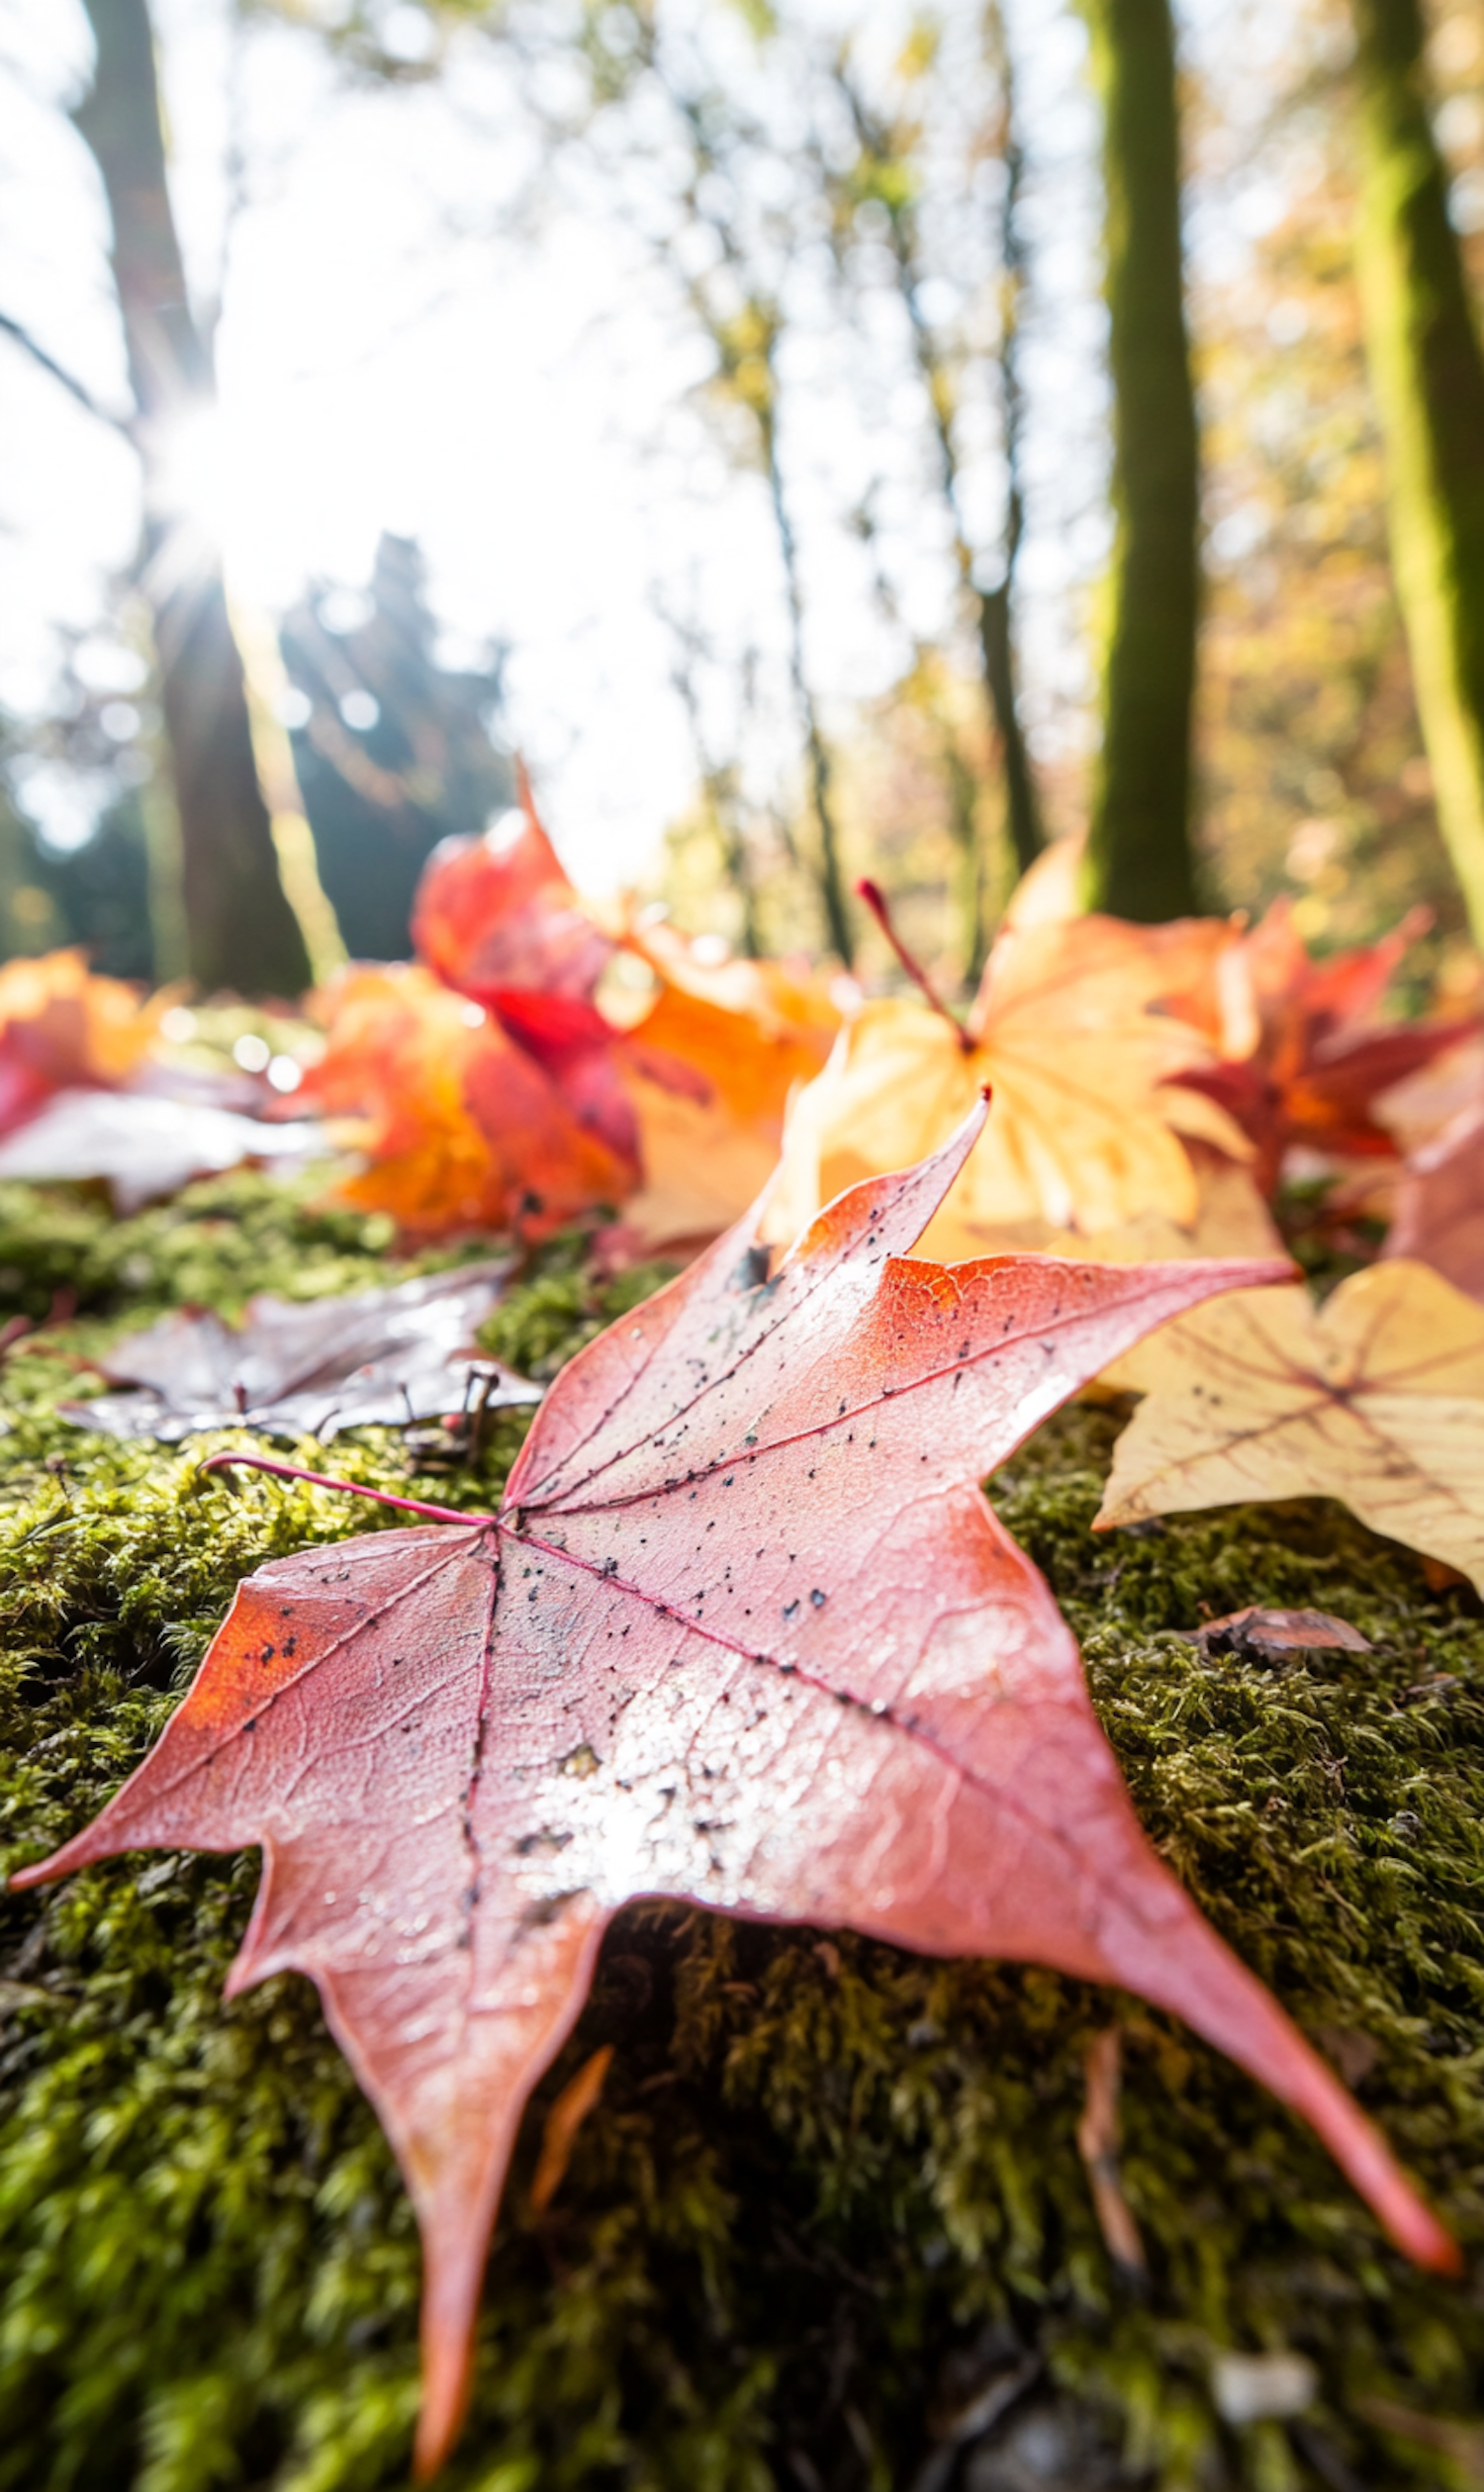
828 2228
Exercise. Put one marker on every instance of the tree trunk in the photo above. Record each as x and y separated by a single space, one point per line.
997 604
1428 372
241 928
997 650
891 176
1139 853
838 927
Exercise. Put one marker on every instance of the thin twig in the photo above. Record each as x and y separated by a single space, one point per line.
74 388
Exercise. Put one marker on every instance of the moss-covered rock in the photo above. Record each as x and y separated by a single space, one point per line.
829 2227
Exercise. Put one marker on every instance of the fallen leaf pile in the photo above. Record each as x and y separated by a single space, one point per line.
745 1632
383 1357
1099 1039
489 1088
1094 1034
460 1128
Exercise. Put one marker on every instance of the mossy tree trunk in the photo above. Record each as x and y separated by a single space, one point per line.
1139 853
241 928
1427 371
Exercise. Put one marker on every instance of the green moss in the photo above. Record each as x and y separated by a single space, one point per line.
830 2190
213 1245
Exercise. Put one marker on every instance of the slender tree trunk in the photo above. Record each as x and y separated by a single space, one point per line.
241 928
968 858
822 769
1139 853
718 787
997 650
992 608
997 604
1427 371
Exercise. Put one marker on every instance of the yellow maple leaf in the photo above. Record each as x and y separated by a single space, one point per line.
1230 1219
1085 1131
1375 1398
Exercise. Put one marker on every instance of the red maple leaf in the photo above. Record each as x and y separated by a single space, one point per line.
745 1632
498 914
1320 1063
496 919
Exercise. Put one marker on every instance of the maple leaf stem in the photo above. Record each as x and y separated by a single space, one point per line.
350 1488
875 900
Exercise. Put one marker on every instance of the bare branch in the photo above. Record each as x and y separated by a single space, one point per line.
74 388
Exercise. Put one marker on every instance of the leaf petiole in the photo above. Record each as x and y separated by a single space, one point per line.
322 1479
875 900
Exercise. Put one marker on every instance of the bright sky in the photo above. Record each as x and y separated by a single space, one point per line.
391 354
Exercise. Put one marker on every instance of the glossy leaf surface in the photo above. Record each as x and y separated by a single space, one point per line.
380 1358
144 1144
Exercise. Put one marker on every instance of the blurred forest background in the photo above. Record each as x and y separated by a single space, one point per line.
823 438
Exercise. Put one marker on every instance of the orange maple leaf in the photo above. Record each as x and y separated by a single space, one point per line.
711 1069
63 1028
460 1127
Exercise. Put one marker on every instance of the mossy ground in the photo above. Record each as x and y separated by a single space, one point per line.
832 2194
